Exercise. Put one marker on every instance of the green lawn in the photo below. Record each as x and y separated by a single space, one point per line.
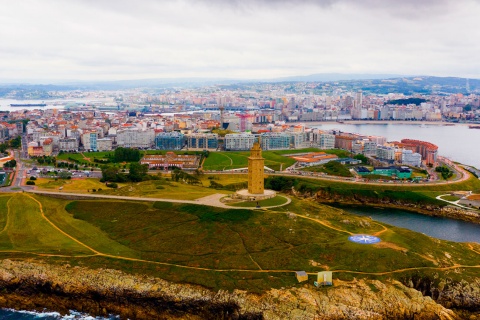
284 238
26 230
276 201
409 191
332 168
3 211
450 198
162 189
274 159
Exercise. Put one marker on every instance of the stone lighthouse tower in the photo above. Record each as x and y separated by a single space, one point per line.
256 165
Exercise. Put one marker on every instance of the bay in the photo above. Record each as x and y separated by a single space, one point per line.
437 227
456 142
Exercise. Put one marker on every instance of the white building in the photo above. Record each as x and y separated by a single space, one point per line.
135 138
104 144
411 158
242 141
68 144
326 140
299 140
89 141
385 153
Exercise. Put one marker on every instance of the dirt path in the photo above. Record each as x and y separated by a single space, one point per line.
58 229
84 157
7 220
231 160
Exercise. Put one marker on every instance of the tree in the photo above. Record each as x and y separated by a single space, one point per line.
109 173
10 164
64 175
126 154
362 158
137 171
16 142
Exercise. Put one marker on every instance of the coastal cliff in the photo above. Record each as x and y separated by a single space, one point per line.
33 285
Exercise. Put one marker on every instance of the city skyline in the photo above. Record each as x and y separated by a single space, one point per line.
106 40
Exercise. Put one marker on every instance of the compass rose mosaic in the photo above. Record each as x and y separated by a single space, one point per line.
364 239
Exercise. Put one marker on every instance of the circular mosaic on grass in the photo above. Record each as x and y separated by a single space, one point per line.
364 239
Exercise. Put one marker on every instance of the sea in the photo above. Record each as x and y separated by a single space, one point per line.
7 314
457 141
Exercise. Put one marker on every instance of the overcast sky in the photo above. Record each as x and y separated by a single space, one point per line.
121 39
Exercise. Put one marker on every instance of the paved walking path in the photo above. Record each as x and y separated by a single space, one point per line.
211 200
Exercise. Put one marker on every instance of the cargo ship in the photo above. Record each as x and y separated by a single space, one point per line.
28 105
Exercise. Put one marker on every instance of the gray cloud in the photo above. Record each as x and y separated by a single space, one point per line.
254 39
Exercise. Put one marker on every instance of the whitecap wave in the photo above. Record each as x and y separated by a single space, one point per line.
52 315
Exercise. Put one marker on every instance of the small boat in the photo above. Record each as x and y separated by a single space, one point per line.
474 127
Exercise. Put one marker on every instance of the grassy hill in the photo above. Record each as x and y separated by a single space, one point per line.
218 248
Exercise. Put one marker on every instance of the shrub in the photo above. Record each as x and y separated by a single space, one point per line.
33 178
30 183
112 185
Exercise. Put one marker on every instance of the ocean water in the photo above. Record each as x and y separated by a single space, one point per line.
456 142
7 314
437 227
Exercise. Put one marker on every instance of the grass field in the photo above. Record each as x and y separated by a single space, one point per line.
411 191
27 231
71 185
276 201
275 160
239 159
256 250
162 189
450 198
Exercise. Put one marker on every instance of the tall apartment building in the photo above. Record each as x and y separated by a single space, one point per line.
202 141
104 144
385 153
365 147
326 141
89 141
239 142
275 141
426 149
135 138
68 144
3 133
299 140
170 140
344 142
411 158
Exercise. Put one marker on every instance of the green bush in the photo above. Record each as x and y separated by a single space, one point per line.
30 183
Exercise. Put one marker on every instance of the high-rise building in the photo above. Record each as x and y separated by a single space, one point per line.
170 141
202 141
239 142
275 141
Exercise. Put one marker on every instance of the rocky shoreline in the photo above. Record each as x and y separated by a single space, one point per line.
36 286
